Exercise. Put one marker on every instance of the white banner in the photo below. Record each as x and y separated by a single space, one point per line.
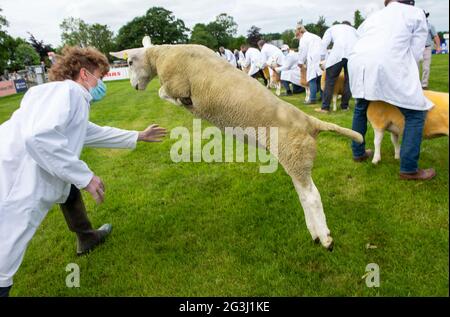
116 74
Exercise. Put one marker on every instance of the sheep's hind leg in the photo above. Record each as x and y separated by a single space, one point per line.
313 208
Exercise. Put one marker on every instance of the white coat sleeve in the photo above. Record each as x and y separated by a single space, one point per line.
108 137
326 41
419 38
303 54
48 146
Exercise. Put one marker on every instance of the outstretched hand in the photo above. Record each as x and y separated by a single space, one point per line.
154 133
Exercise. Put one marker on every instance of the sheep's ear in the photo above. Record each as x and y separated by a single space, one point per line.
122 54
146 41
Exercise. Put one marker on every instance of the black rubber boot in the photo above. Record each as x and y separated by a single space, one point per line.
77 220
4 291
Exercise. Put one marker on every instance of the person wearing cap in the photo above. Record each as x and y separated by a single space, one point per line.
290 72
310 49
343 36
426 64
385 68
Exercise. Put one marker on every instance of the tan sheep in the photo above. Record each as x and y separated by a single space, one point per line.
338 89
210 88
383 116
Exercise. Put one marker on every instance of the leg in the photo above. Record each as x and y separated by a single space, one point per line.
396 143
412 139
319 86
296 89
77 220
347 94
360 125
287 87
334 102
4 291
163 95
312 90
377 141
312 206
426 67
307 94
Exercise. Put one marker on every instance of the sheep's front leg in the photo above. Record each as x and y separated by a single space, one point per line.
163 95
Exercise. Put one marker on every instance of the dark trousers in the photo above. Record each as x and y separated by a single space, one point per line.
332 74
296 89
412 135
4 291
260 73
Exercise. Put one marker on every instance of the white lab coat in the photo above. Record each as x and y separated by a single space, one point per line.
343 38
310 51
289 68
271 54
383 63
253 58
229 56
39 160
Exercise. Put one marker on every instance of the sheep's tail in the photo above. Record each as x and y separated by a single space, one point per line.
327 126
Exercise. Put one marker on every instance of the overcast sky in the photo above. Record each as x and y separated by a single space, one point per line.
42 17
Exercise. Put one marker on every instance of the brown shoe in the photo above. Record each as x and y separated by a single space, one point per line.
367 155
321 110
422 175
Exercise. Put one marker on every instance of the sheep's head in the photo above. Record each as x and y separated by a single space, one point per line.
139 69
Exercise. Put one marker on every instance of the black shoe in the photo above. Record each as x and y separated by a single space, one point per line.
313 102
286 94
86 242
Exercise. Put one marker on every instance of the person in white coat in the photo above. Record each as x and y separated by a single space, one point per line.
228 55
40 156
254 61
385 68
290 72
310 50
343 36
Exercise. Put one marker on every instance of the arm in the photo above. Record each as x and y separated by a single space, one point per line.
326 41
108 137
419 38
437 43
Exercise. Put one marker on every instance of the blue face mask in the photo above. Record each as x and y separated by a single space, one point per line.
99 91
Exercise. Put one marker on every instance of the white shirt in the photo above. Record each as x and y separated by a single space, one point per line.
229 56
383 63
289 69
39 159
343 38
310 50
253 58
271 54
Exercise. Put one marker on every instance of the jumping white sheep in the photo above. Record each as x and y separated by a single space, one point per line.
210 88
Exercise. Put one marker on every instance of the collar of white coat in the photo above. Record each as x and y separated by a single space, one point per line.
83 91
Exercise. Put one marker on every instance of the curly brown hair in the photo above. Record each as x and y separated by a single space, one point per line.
74 58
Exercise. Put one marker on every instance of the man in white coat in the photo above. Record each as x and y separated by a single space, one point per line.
253 60
228 55
385 68
39 156
310 50
343 36
290 72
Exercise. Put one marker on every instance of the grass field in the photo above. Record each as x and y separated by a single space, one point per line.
224 229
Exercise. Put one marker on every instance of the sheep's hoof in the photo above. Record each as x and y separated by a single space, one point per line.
374 161
328 243
317 240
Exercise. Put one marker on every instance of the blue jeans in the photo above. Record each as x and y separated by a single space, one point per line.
314 86
412 135
4 291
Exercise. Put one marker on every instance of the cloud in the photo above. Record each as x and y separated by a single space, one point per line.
42 18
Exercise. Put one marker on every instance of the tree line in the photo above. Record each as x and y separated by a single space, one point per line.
157 22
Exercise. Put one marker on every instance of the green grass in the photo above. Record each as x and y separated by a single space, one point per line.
224 229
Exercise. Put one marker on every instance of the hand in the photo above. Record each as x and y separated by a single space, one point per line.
154 133
96 189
